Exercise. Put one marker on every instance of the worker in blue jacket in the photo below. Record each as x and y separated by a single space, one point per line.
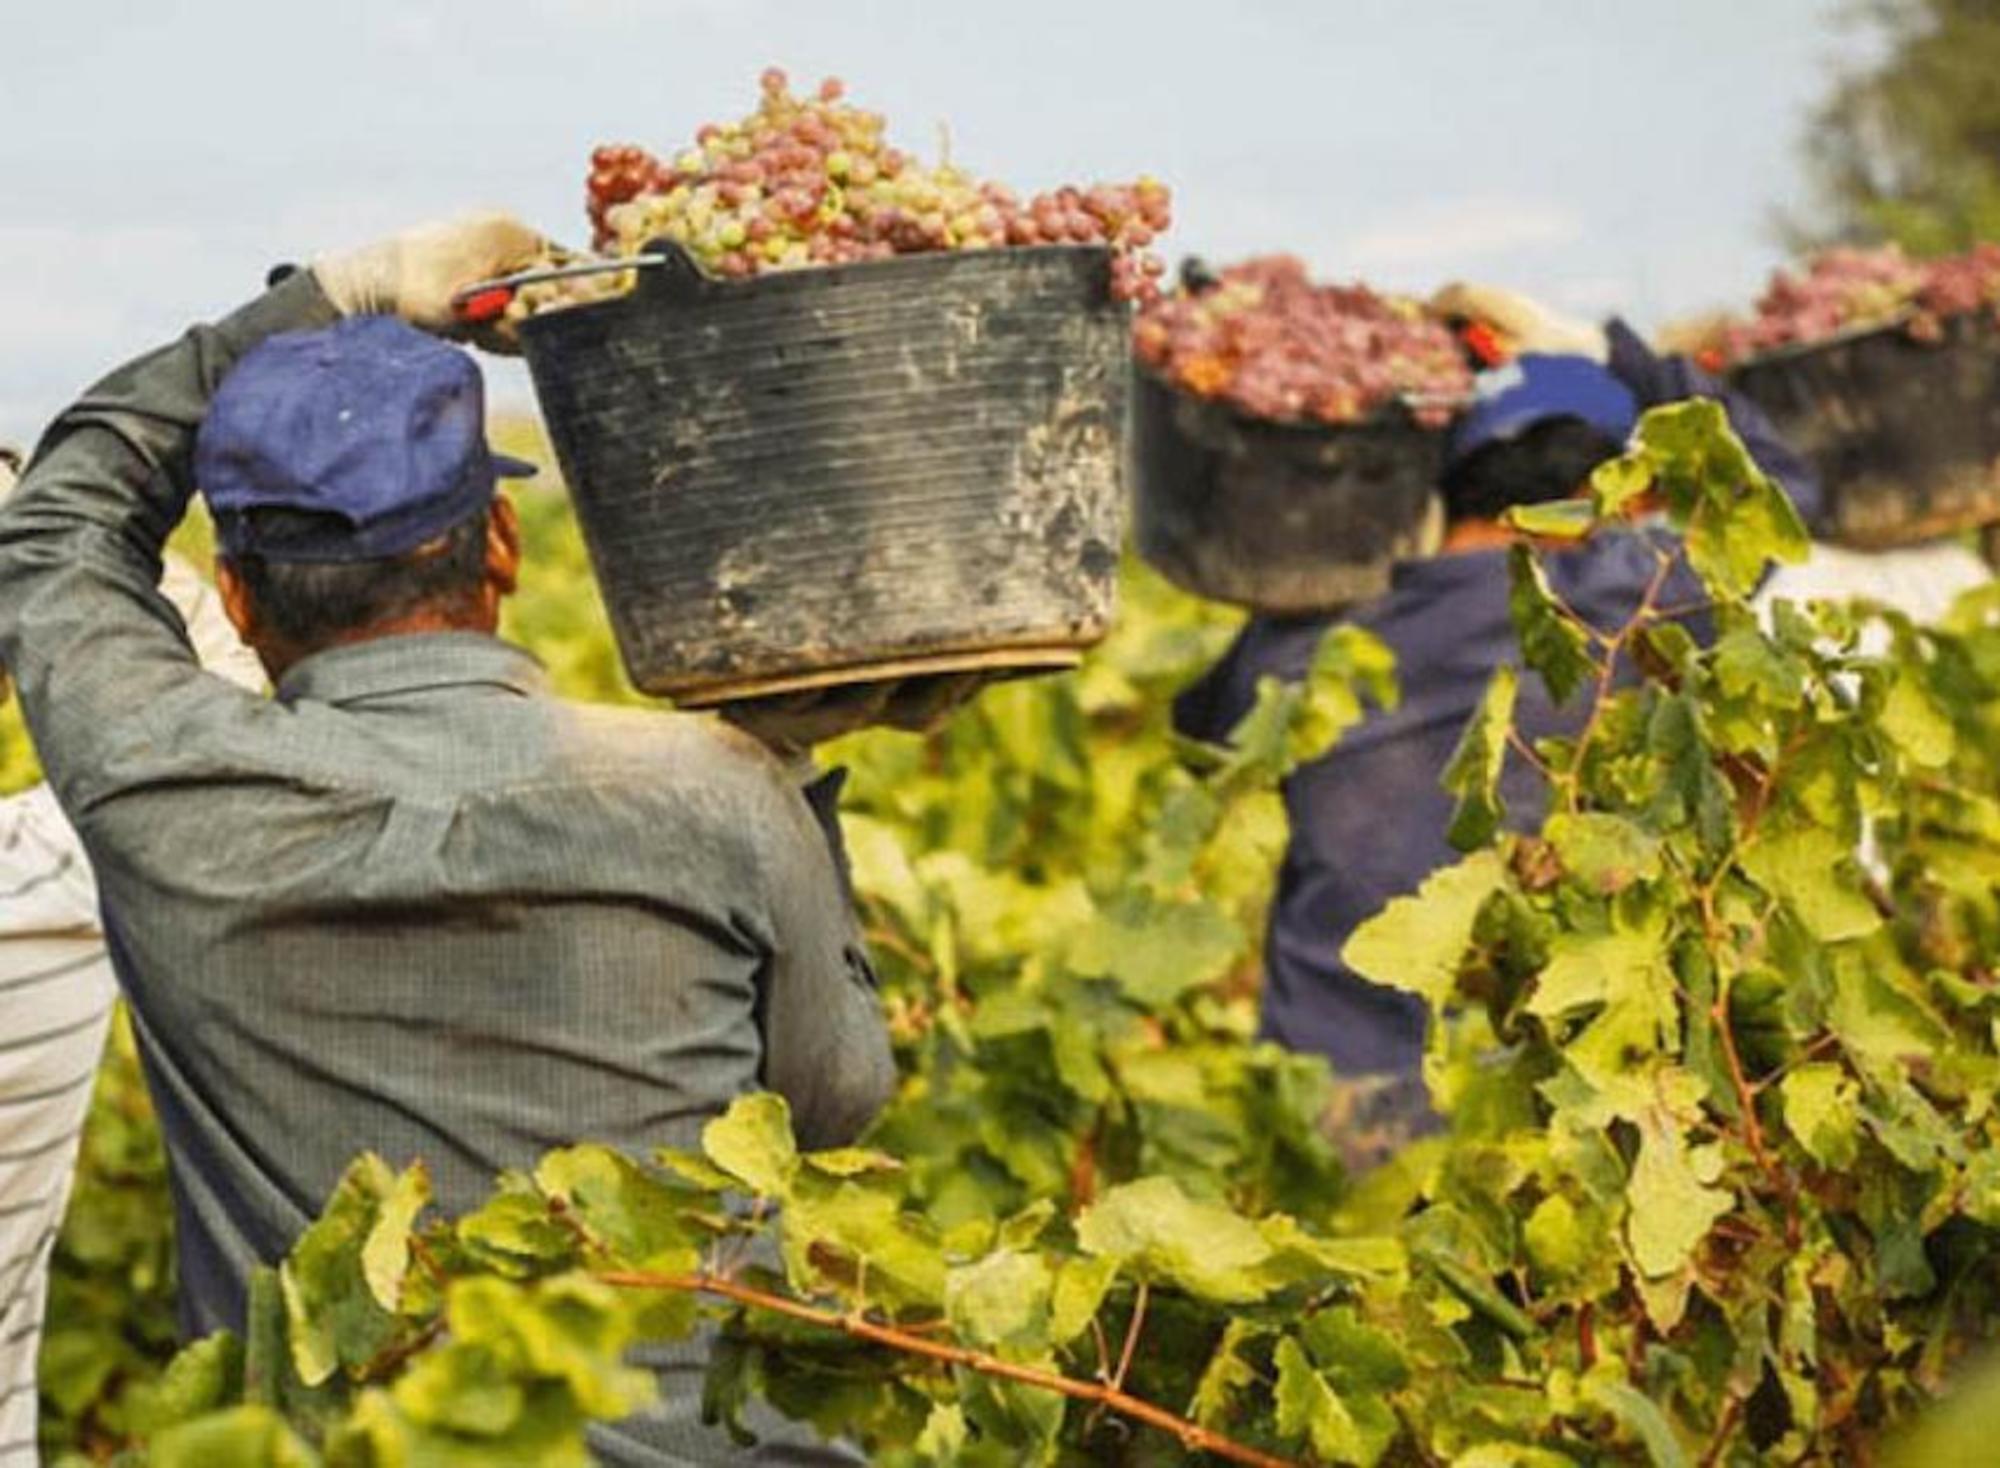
1368 818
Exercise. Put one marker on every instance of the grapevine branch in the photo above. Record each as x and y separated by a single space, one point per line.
1607 671
1192 1435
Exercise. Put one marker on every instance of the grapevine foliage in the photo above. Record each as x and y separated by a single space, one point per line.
1716 1047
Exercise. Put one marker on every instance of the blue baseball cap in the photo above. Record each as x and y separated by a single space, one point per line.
375 431
1535 388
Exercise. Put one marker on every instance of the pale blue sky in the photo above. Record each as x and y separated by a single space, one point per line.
156 157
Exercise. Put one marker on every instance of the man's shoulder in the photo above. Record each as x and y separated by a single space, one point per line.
668 751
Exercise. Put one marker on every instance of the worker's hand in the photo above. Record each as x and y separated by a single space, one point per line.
791 723
414 275
1527 326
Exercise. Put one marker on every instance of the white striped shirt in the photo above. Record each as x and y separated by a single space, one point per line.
56 992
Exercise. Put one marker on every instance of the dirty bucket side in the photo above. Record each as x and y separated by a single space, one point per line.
796 479
1278 517
1905 434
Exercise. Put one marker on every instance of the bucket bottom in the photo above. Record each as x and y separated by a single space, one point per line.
1003 661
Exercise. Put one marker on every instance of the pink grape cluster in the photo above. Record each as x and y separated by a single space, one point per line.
807 181
1849 289
1264 337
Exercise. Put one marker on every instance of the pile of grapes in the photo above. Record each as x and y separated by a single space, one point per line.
806 181
1848 289
1264 337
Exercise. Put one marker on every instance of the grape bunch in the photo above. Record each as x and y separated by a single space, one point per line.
812 180
1850 289
1263 336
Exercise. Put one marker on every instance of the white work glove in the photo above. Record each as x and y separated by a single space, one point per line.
1526 326
416 274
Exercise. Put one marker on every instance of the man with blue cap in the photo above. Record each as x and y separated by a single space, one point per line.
1368 818
411 903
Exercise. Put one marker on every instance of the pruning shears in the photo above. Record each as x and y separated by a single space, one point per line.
488 300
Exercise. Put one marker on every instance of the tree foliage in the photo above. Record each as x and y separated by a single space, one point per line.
1907 148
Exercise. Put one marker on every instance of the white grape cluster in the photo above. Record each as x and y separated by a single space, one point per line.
806 181
1263 336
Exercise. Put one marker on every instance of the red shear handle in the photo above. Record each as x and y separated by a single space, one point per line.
483 304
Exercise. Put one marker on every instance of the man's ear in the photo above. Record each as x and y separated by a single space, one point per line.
503 546
236 602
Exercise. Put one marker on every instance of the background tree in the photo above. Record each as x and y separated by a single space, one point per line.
1907 147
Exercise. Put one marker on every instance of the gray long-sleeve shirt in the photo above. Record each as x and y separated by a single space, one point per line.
413 903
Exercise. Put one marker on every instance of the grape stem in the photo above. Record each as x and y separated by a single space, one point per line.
1192 1435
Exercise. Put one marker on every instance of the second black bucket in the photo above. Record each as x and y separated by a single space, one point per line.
1905 434
829 476
1279 517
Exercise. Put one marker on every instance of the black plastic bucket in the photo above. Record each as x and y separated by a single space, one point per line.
1905 434
818 477
1279 517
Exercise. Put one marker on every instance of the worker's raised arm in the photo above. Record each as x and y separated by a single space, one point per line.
84 629
101 659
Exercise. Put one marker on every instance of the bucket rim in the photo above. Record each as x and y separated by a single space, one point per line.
713 288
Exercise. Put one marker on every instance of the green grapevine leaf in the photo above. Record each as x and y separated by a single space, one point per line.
1000 1300
513 1233
1605 852
1640 1414
693 1168
333 1316
385 1253
1806 868
1691 792
462 1389
1617 482
1821 1105
636 1215
1553 642
1347 661
1227 1375
1473 774
1750 665
944 1438
1079 1292
203 1377
1416 942
851 1161
1557 1240
1157 951
1674 1200
570 1330
1913 718
1628 966
1355 1354
1158 1231
1552 519
856 1236
242 1437
1511 1455
1882 1029
1309 1408
1734 518
752 1142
